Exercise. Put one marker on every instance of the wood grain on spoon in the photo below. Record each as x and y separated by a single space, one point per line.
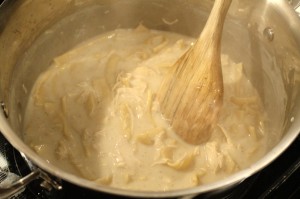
191 95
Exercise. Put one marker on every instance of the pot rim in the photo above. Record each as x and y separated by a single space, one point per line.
224 183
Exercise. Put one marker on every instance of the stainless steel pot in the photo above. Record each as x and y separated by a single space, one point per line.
263 34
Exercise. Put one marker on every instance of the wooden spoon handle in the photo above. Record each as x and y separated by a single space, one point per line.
212 32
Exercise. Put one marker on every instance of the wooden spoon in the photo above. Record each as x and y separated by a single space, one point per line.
191 95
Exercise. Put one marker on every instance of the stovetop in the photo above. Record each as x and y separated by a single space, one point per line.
281 179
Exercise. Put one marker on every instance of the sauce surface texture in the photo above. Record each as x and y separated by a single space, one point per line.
94 114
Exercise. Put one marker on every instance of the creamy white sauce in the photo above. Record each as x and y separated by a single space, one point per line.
93 113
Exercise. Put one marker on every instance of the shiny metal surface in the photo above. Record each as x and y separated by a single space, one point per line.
296 5
263 34
10 190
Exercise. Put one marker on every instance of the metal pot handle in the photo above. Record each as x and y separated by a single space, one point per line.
18 186
10 190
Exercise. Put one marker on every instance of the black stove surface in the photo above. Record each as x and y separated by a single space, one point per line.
281 179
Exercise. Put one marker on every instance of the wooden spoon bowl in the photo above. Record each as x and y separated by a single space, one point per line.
191 95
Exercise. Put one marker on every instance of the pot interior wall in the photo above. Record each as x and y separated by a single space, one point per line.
33 33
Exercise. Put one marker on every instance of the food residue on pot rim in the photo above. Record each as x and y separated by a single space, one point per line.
94 114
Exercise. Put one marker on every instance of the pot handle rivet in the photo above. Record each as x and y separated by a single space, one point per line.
269 33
